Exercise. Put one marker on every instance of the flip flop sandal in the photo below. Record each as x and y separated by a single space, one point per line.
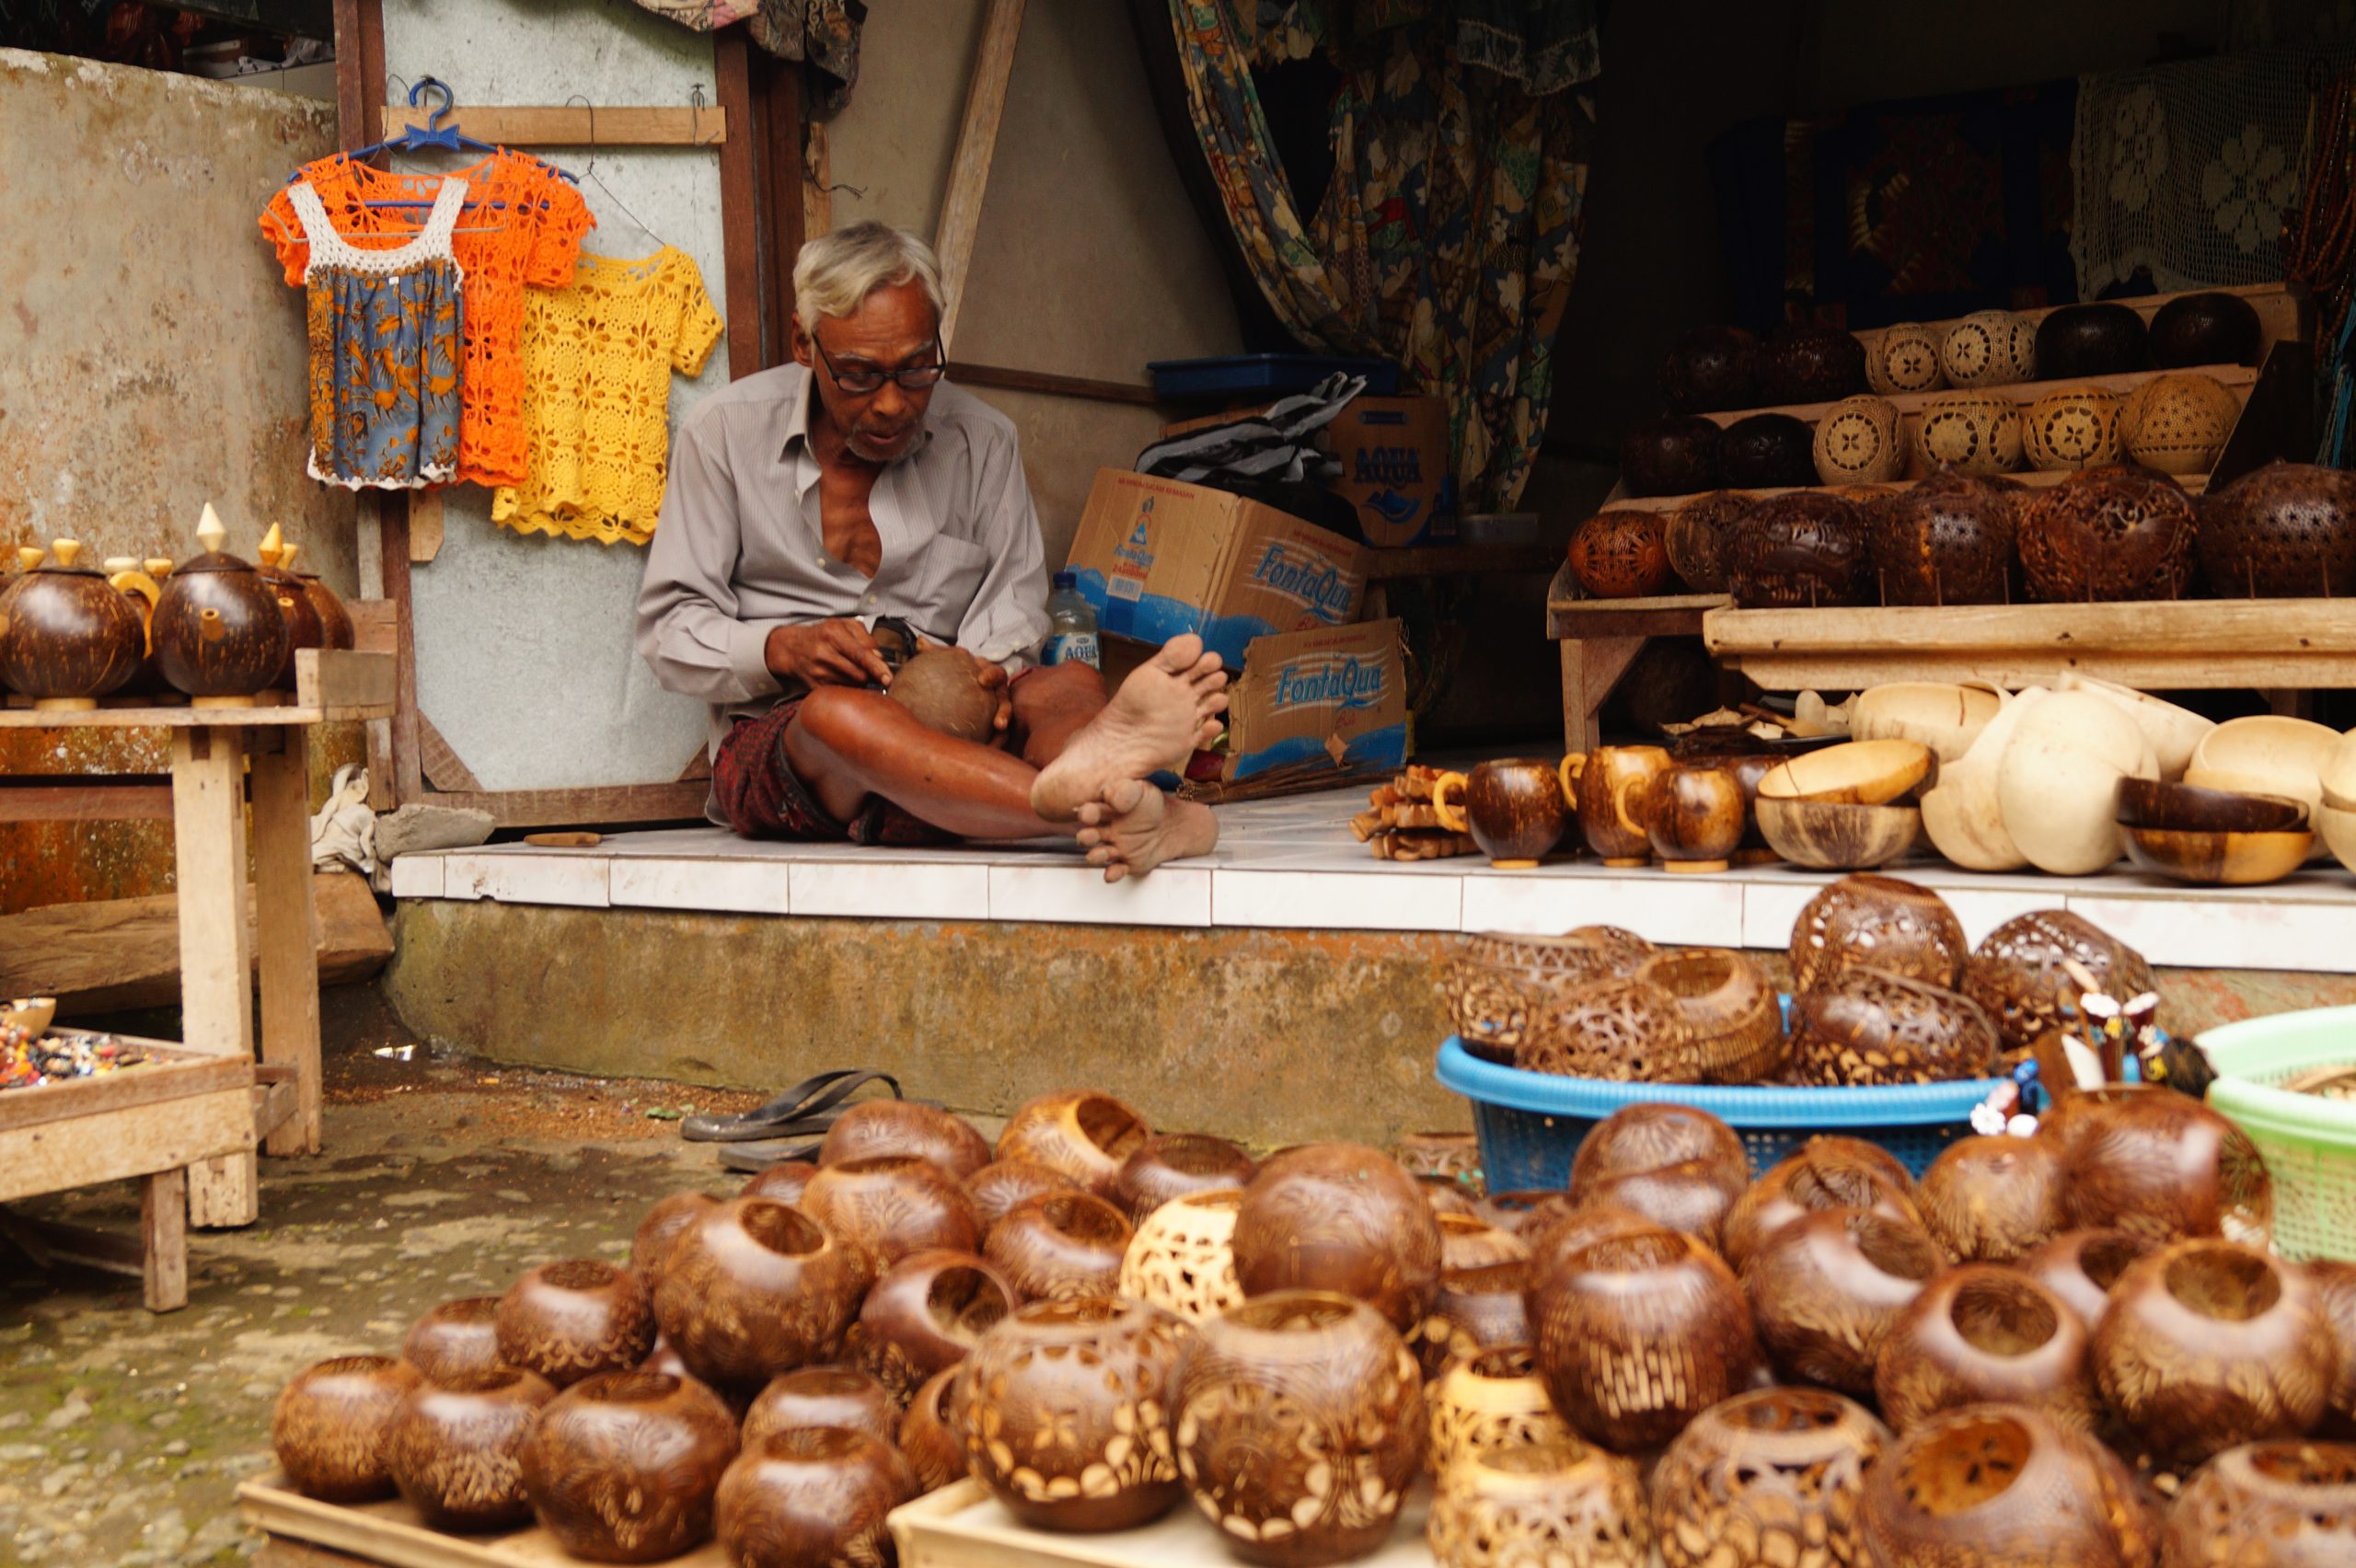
816 1100
758 1155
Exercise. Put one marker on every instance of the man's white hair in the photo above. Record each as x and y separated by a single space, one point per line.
837 271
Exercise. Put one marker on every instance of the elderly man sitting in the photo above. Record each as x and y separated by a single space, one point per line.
809 500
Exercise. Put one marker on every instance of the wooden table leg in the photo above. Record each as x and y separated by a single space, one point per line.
1591 667
286 923
163 1239
216 956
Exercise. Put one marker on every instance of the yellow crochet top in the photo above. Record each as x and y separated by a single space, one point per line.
597 364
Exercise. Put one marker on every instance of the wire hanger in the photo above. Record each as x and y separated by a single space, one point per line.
590 171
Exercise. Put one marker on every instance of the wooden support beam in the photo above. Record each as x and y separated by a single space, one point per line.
969 170
678 802
359 70
409 770
445 769
163 1239
286 929
972 374
739 214
87 798
574 126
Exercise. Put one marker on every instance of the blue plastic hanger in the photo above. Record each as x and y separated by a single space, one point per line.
432 137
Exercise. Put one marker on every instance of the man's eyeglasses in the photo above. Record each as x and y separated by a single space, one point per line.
860 381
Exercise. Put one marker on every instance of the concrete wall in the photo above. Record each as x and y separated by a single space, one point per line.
152 358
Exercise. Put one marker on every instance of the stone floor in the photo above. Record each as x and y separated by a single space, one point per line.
123 1433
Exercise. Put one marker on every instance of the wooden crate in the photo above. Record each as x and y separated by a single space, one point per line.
389 1533
961 1526
2151 645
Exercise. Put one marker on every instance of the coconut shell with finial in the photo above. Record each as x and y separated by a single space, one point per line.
220 635
68 637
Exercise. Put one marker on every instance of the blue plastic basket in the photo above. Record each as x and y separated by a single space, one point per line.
1531 1123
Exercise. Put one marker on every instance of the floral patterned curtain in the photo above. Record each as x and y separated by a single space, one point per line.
823 33
1449 235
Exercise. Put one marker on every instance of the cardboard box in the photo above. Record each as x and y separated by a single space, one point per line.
1158 557
1395 457
1331 700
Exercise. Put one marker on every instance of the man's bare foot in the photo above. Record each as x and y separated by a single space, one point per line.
1137 828
1167 707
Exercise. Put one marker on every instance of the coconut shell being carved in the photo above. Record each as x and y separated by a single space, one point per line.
901 1127
1085 1134
1620 555
2108 534
1825 1290
1826 1174
2286 531
453 1448
1801 549
330 1424
2001 1486
1865 1026
1888 923
1342 1218
1768 450
1695 537
811 1495
1948 540
1802 362
623 1467
2016 971
1991 1199
567 1320
1670 456
2279 1505
2101 338
2205 329
454 1340
1300 1425
1775 1476
755 1288
2210 1343
1066 1408
1710 368
1637 1335
1979 1333
942 688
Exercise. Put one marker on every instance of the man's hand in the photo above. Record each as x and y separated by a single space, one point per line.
827 652
992 676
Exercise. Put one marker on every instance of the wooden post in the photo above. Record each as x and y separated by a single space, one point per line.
739 214
162 1240
969 173
216 995
286 927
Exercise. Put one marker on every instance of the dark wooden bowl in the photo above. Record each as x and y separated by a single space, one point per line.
1670 456
623 1467
453 1448
1066 1408
1830 836
755 1288
1340 1217
879 1128
2192 808
1802 362
1638 1334
891 1205
1329 1463
811 1496
926 1315
1061 1246
2100 339
1781 1467
1171 1165
1979 1334
2285 531
2233 859
824 1396
1797 550
2205 329
569 1320
1710 368
1084 1133
1767 450
2209 1343
454 1340
330 1423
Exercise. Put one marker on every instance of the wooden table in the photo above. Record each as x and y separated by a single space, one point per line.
151 1122
214 750
2265 644
1601 637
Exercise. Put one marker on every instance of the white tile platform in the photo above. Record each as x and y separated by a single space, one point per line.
1292 864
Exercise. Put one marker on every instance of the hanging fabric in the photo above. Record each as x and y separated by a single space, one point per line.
597 364
1448 233
385 332
522 228
822 33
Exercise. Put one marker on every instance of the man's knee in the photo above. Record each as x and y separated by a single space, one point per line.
833 717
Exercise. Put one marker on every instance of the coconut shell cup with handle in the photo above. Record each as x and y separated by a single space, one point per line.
220 636
1695 816
67 637
1615 787
304 628
1516 808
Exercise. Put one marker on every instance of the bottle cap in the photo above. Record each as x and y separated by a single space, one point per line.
1067 580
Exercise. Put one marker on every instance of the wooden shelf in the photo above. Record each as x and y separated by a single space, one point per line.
2286 313
1659 615
2032 478
2023 393
2181 645
329 684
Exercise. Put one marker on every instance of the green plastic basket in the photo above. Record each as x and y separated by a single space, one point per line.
2309 1142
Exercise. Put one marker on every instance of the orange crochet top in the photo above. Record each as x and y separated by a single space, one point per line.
532 240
